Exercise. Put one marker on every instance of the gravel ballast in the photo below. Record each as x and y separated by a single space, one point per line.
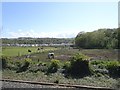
6 84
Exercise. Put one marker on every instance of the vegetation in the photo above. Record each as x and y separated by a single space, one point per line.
4 62
66 63
97 67
19 51
54 65
29 40
112 68
25 65
35 70
102 38
78 66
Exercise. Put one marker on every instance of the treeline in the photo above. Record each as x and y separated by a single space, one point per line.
102 38
29 40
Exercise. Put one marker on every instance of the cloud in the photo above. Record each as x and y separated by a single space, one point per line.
36 34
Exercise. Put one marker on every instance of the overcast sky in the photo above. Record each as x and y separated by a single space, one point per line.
60 19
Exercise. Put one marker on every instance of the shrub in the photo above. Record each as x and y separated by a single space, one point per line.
79 65
18 63
96 62
54 65
114 68
80 56
5 60
107 67
99 62
102 71
25 65
41 66
66 67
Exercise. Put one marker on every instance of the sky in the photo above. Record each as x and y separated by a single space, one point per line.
56 19
119 14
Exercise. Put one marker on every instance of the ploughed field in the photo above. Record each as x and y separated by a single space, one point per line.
39 64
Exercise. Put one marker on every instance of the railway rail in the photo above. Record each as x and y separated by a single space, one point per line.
55 85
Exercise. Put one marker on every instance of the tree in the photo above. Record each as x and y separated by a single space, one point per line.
102 38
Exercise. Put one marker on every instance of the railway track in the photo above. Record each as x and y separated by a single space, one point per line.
33 84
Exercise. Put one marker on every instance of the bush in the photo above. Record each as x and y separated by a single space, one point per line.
25 65
40 66
5 60
79 66
66 67
107 67
54 65
18 63
99 64
102 71
114 68
80 56
15 65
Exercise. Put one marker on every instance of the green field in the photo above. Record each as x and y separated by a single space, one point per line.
19 51
39 65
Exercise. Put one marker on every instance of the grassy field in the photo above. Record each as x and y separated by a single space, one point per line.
35 71
63 53
19 51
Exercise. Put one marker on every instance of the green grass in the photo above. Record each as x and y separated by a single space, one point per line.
60 54
19 51
96 53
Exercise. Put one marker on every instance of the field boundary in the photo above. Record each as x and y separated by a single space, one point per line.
54 84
